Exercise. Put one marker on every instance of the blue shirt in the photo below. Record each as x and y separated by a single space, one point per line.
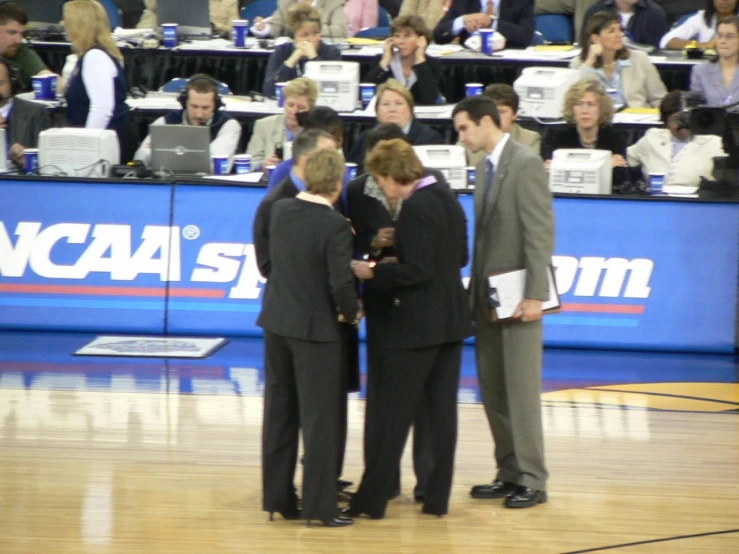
284 169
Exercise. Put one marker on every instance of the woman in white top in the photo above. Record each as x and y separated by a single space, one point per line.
672 151
701 27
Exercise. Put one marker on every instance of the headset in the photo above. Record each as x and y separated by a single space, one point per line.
14 77
182 98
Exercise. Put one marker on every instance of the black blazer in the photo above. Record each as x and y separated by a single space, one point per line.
609 138
278 72
515 23
27 120
260 230
430 306
418 134
310 280
425 90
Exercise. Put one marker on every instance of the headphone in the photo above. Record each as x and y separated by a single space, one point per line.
182 98
14 77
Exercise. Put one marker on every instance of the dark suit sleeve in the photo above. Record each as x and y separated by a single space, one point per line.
415 238
443 30
656 27
426 89
341 278
260 236
277 71
518 29
376 74
327 52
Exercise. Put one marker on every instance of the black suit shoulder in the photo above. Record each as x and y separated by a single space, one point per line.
420 134
262 218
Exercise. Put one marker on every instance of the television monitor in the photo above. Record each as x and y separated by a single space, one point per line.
75 152
337 82
581 171
192 16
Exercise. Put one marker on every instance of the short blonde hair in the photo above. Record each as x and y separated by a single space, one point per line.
302 86
324 170
395 86
300 14
580 89
394 158
87 21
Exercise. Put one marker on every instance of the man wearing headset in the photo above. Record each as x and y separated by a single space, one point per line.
22 120
200 106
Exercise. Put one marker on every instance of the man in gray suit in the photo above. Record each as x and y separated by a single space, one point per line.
22 120
514 229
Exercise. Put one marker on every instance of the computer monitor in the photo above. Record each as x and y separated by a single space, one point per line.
581 171
450 160
181 149
76 152
42 13
191 16
337 82
541 90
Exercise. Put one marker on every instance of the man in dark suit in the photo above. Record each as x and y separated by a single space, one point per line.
22 120
422 346
514 229
514 19
310 290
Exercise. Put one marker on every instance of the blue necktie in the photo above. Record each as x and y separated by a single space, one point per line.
489 176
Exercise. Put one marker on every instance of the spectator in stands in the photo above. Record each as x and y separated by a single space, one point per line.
574 8
404 59
506 100
644 21
131 12
22 120
331 19
628 75
514 19
395 105
288 60
149 17
588 111
97 89
430 10
222 13
673 151
272 132
675 9
718 80
701 27
13 21
200 106
360 14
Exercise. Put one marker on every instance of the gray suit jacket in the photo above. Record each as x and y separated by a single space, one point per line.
514 229
532 139
27 120
267 132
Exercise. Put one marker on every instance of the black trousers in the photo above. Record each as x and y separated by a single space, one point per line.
408 376
303 386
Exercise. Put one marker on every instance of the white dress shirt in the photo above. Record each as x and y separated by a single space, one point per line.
458 24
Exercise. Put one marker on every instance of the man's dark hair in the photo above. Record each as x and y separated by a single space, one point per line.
383 131
671 104
306 142
503 95
478 107
10 11
324 118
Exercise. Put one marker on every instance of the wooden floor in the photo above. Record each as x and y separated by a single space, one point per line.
115 472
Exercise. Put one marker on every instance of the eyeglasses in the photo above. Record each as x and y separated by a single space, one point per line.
589 105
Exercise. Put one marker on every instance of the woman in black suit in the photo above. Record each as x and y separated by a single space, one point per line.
588 111
428 320
310 290
404 59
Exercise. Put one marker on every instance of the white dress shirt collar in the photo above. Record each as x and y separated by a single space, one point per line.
494 157
315 198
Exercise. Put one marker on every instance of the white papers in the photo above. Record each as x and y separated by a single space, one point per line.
631 118
679 190
240 178
507 289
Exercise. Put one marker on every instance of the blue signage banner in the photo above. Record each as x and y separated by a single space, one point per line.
119 257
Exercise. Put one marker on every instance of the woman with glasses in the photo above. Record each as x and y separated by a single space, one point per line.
718 80
627 75
588 112
700 27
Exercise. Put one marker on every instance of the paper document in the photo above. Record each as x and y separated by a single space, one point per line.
241 178
506 292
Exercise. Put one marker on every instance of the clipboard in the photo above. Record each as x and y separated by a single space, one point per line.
505 291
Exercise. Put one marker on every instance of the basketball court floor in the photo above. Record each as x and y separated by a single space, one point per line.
125 455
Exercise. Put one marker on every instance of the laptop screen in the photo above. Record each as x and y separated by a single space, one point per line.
181 149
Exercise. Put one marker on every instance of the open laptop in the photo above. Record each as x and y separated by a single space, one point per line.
191 16
181 149
42 13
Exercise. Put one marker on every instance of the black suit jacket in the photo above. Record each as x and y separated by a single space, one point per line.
425 90
609 138
418 134
430 306
310 280
27 120
515 21
260 231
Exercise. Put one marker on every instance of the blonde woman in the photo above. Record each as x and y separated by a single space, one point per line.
96 90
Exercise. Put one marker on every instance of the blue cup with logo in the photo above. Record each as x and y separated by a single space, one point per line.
471 177
220 164
169 35
656 183
486 41
53 82
351 169
41 87
240 28
366 93
30 160
242 164
473 89
278 93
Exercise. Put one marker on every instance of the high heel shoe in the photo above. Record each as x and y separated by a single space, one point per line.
293 513
338 521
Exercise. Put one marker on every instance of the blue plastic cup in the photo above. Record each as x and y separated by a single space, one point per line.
486 41
473 89
367 93
41 87
278 93
220 165
240 28
471 176
351 169
656 183
53 82
169 35
242 164
30 160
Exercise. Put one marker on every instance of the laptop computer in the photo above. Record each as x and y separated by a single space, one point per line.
191 16
41 13
181 149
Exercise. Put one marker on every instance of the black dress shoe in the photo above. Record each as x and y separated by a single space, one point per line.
355 512
419 498
338 521
525 497
496 489
431 512
342 484
292 513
